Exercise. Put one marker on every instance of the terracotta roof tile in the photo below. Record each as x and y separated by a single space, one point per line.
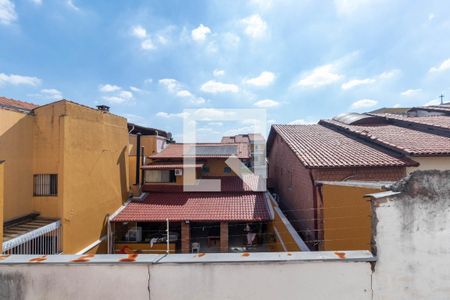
442 122
406 140
16 104
197 207
319 147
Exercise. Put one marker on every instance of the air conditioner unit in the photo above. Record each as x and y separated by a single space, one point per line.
178 172
134 234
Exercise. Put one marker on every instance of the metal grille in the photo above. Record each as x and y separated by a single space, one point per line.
45 185
43 241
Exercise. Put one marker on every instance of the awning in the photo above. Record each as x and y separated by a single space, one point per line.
171 166
21 233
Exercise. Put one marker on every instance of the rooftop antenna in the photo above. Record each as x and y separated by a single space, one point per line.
442 98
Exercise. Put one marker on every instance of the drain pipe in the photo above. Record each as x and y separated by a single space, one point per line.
138 156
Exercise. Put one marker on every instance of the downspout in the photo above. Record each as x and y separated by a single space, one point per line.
315 209
138 155
142 164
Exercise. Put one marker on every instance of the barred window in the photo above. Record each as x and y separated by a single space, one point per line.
45 185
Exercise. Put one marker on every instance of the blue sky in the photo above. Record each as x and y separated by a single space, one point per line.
300 60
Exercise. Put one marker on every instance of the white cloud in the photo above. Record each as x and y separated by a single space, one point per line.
127 95
116 94
172 85
214 87
53 94
148 45
363 103
357 82
230 40
266 103
431 16
411 93
166 115
262 4
218 73
139 32
433 102
108 88
444 66
320 76
350 7
135 89
200 33
184 93
48 94
37 2
14 79
254 26
301 122
72 5
148 81
7 12
264 79
391 74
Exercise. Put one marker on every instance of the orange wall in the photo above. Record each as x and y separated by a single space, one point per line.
347 218
16 149
2 180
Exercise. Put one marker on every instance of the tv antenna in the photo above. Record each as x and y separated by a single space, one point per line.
442 98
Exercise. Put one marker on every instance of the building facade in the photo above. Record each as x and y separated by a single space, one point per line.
65 170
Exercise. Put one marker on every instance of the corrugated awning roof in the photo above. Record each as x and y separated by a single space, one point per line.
22 232
170 166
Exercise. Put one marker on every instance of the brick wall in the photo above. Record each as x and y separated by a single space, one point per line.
185 237
294 185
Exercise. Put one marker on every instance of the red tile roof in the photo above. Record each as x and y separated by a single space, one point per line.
227 184
445 108
176 150
442 122
319 147
406 140
16 104
170 166
197 207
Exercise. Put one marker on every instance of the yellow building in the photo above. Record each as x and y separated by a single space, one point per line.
143 142
65 171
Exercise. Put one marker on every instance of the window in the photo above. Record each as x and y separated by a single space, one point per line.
205 169
161 176
45 185
227 170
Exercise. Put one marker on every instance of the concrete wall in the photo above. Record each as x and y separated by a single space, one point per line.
412 239
187 276
16 149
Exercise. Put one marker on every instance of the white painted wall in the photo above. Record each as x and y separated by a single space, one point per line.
413 240
181 278
430 163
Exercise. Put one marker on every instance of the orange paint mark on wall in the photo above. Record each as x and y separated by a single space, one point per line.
341 255
130 258
39 259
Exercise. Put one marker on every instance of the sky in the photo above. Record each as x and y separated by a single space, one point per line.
299 61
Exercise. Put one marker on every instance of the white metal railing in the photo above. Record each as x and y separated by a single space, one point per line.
44 240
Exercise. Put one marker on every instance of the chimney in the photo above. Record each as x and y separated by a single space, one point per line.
103 108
